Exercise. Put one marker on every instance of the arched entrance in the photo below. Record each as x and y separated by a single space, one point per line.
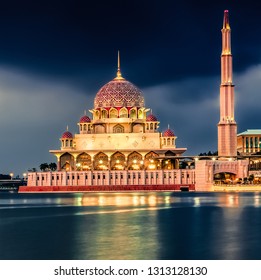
117 161
101 162
67 162
84 162
151 162
135 161
224 178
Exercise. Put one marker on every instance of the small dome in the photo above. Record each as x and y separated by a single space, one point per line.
67 134
85 119
168 133
151 118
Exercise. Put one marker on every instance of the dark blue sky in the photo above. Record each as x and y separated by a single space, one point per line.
55 55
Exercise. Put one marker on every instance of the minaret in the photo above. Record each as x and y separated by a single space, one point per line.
227 127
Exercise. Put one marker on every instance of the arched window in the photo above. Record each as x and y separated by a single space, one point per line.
113 113
118 129
96 114
133 113
151 126
123 113
168 141
104 114
140 114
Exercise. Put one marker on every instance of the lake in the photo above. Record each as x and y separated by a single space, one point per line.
130 226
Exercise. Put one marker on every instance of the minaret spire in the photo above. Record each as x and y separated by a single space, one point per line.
226 20
119 76
227 127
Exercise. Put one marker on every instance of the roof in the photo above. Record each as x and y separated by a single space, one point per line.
250 132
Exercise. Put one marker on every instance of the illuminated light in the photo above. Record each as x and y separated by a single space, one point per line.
213 158
196 202
142 200
230 159
135 200
134 161
141 162
152 166
152 200
167 200
100 161
196 158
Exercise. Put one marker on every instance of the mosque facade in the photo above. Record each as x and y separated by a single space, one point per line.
118 144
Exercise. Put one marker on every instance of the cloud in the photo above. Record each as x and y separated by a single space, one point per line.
34 112
191 108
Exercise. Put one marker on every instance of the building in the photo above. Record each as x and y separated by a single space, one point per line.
249 142
119 144
227 127
121 134
226 166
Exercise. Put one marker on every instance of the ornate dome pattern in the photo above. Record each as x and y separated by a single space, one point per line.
119 93
168 133
85 119
151 118
67 135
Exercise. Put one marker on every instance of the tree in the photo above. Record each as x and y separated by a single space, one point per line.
44 166
52 166
32 169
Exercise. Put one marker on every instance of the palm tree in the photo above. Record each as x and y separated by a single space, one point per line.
44 166
52 166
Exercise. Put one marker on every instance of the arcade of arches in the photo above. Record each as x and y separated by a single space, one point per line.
117 161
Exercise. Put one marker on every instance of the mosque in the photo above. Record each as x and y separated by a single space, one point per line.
120 146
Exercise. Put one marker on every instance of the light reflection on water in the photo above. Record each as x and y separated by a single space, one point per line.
130 226
131 199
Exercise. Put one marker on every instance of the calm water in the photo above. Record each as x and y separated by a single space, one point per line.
130 226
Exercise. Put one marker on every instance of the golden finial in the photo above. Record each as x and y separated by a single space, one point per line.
84 112
67 128
119 77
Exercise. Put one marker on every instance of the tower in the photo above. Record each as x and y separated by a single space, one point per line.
227 127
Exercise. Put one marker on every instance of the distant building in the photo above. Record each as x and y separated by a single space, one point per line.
249 142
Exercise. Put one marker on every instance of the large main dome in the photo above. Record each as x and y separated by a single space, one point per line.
118 93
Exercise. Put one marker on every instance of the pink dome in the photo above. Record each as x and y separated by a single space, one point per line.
85 119
168 133
119 93
67 134
151 118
